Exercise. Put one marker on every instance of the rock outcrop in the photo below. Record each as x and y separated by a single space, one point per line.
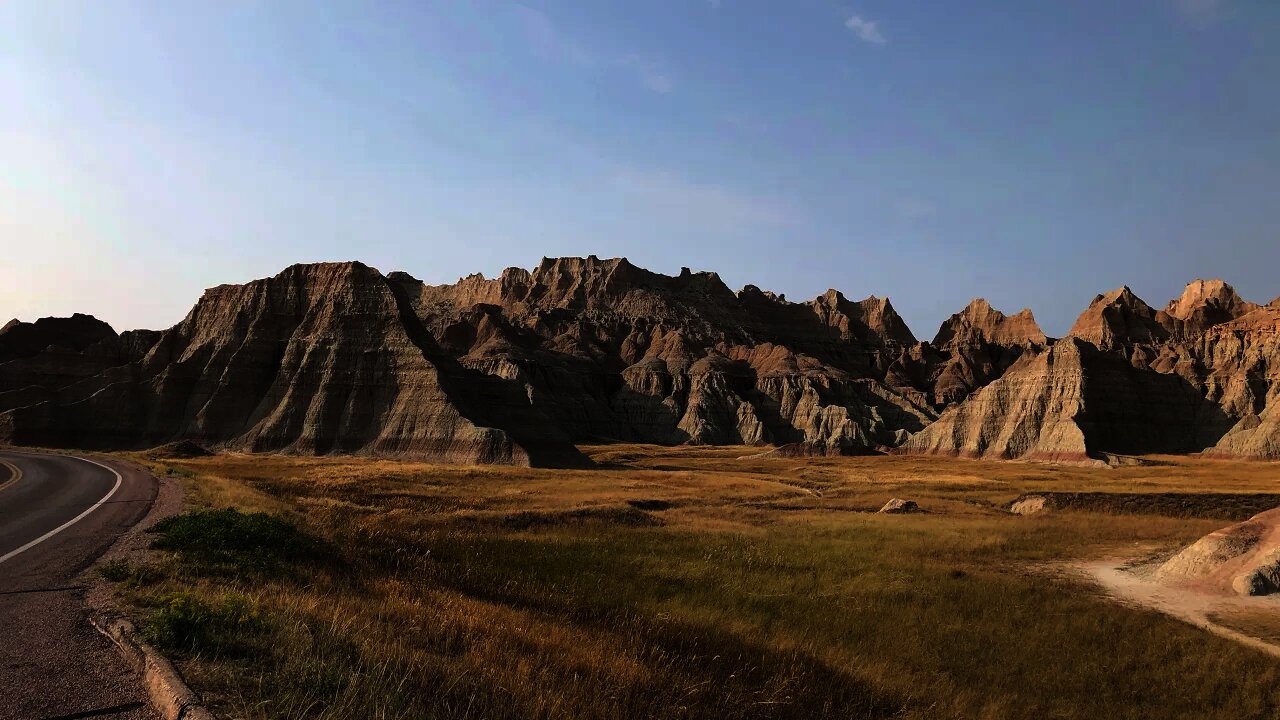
1243 559
337 358
1204 304
898 506
39 358
1241 370
972 348
614 352
1118 318
318 359
1202 375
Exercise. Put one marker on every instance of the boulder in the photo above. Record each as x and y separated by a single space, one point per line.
1029 505
898 506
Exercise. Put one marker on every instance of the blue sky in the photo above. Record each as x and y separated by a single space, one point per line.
1035 153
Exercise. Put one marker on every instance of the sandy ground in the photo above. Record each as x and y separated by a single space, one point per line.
1133 585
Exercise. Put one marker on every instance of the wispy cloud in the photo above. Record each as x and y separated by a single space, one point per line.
549 42
714 3
710 206
866 30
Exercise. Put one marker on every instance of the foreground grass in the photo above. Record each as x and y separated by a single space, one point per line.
760 591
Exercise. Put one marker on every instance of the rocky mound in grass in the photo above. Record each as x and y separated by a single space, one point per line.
178 450
1243 558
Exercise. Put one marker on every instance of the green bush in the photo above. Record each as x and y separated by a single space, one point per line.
185 623
219 541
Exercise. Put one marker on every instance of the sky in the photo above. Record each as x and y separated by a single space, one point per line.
1033 153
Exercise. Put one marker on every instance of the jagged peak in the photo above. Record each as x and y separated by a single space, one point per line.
877 303
753 292
980 322
1122 295
401 276
1119 316
576 265
874 313
20 339
1215 294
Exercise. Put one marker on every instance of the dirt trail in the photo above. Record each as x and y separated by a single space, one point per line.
1132 585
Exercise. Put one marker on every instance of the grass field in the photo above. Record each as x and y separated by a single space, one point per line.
686 582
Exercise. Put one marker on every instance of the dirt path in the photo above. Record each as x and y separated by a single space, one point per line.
1131 585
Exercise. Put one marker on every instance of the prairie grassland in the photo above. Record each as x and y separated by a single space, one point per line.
701 583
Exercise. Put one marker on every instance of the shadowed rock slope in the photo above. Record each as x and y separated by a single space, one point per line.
614 352
317 359
1203 375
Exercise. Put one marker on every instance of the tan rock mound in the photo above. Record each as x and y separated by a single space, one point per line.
1116 318
1029 505
898 506
1243 558
1203 304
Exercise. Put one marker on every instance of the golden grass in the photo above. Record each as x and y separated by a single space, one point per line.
767 589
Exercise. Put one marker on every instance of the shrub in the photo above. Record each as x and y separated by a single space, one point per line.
213 541
115 571
185 623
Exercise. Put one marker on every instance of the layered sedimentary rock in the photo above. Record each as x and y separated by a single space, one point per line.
1204 304
1243 559
1240 362
615 352
1118 318
320 358
39 358
972 348
1202 375
337 358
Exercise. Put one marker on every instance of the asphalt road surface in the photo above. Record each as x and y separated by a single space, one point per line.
57 514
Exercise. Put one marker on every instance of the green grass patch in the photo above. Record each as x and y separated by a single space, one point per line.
187 624
231 542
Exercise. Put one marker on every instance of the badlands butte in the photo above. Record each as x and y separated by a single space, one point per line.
337 358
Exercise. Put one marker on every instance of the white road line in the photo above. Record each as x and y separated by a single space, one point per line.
75 519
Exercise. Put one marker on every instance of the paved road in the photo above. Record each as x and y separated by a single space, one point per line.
56 517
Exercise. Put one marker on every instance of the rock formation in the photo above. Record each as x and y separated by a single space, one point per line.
1243 559
39 358
615 352
1202 375
337 358
972 348
320 358
1203 304
1116 319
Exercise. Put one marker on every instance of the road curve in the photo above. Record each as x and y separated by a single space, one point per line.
57 514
